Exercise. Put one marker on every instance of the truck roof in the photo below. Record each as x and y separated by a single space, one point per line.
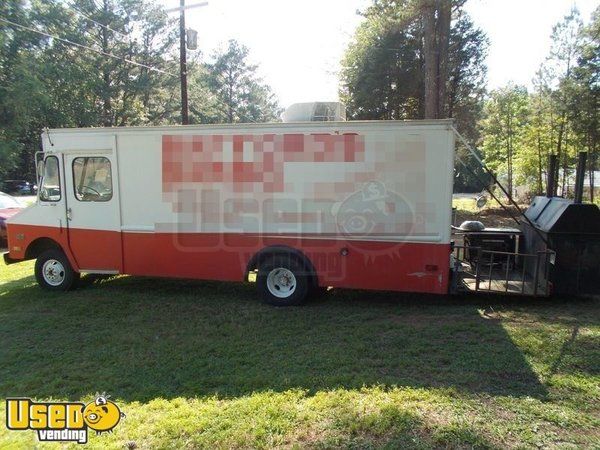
204 127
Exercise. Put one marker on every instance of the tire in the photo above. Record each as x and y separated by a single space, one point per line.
283 281
53 271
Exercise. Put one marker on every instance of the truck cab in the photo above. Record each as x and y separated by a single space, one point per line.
74 225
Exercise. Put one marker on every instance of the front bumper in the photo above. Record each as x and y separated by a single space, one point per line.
8 260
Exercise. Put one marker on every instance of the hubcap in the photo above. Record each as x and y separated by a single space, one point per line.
281 282
53 272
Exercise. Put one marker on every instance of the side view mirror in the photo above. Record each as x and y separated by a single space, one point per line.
39 169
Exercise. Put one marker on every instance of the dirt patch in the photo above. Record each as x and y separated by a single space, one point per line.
490 217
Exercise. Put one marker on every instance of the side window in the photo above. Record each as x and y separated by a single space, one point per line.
50 189
92 179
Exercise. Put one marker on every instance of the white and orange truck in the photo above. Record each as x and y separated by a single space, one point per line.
357 204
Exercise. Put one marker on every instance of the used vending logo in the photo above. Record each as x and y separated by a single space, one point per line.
63 421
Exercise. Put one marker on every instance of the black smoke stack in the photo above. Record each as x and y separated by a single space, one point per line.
551 185
579 177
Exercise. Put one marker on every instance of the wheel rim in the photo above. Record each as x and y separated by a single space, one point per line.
281 282
53 272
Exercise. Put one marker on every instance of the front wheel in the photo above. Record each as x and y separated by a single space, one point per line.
53 271
282 281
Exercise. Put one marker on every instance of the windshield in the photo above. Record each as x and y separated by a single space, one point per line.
7 201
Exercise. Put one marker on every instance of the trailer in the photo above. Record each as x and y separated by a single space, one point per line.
360 204
554 250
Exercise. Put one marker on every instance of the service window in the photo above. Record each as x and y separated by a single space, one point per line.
92 179
50 189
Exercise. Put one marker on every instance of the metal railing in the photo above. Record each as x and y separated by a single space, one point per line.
480 270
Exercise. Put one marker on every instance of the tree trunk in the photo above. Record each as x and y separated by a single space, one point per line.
539 146
592 183
229 81
559 145
106 100
443 34
592 167
230 104
429 53
540 187
509 156
451 101
565 185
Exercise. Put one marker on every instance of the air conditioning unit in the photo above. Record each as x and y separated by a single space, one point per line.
315 112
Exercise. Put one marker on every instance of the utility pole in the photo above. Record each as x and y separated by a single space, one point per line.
183 55
183 65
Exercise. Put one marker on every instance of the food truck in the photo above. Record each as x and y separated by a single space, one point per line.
302 206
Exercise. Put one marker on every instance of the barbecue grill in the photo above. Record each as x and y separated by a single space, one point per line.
572 230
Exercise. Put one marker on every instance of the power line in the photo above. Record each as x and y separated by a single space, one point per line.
100 52
110 55
85 16
96 4
88 18
168 10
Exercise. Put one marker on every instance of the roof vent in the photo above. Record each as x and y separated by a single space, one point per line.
315 112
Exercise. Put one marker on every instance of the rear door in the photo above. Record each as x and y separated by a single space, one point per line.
93 210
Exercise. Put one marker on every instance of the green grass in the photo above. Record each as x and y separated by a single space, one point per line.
466 204
206 365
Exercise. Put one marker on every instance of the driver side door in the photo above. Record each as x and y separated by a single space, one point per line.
93 210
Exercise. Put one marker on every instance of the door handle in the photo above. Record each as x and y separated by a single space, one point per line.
69 214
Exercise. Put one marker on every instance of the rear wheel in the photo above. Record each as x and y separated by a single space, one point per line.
282 281
53 271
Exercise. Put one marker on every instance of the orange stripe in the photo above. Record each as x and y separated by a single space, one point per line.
225 256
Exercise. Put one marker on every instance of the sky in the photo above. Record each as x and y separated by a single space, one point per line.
299 44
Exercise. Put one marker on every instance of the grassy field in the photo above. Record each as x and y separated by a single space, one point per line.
206 365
